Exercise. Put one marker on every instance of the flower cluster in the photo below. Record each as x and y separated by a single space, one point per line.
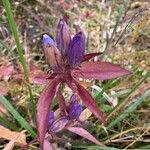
68 61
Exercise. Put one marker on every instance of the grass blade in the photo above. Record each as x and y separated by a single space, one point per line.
13 27
130 109
121 11
17 116
118 107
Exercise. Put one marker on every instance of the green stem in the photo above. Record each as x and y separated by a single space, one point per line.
127 97
13 27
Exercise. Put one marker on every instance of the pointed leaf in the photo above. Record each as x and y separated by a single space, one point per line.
99 70
84 133
89 102
43 106
90 56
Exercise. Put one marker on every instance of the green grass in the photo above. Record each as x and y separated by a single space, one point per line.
14 30
17 116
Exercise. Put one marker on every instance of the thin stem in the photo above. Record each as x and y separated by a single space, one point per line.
13 27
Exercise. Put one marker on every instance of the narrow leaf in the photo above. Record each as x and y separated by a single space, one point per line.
84 133
99 70
90 56
14 30
130 109
43 106
17 116
89 102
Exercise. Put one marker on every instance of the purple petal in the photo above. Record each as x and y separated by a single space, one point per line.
43 106
84 133
48 40
53 56
51 118
75 108
58 125
76 49
63 36
99 70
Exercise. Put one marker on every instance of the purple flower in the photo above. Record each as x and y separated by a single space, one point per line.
68 63
53 56
56 125
74 109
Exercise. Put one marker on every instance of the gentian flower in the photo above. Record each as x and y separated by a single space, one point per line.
74 110
70 121
68 61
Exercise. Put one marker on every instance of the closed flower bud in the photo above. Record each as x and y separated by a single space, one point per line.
75 108
58 125
63 36
76 49
53 56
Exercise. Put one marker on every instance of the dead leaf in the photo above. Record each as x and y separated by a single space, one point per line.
6 71
5 133
11 144
3 109
85 115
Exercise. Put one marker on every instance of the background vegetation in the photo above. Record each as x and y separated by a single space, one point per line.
118 28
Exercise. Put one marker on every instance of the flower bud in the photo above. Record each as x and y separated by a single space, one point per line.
58 125
63 36
76 49
53 56
75 108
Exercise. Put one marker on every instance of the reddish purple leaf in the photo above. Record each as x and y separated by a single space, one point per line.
99 70
89 102
90 56
43 106
84 133
6 71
